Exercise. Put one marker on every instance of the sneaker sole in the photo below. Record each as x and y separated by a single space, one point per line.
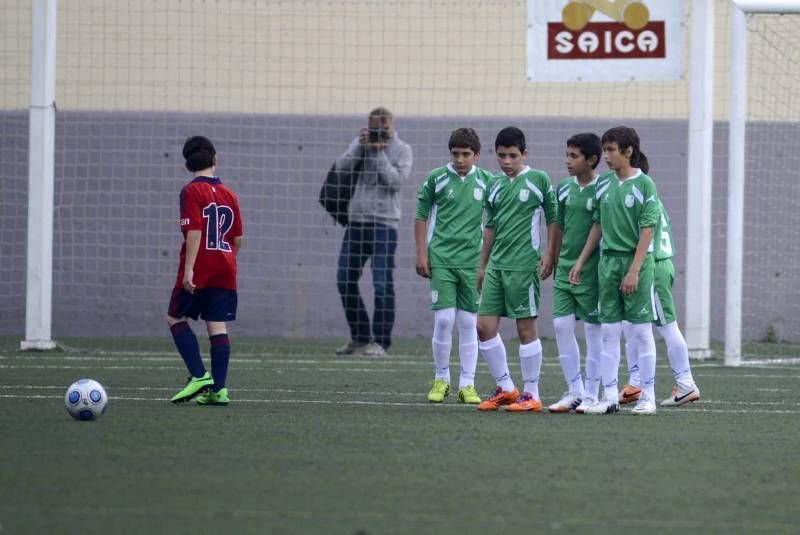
643 413
559 410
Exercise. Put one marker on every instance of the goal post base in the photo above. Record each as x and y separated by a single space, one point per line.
701 354
37 345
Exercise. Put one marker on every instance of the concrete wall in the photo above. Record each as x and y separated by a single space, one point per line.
116 232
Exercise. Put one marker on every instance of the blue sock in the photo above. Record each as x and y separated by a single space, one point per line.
220 354
186 342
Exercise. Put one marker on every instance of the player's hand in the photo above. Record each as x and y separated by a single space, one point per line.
630 283
188 284
575 274
545 266
479 284
423 266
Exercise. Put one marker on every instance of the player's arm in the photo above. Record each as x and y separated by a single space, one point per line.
237 244
486 251
589 248
393 173
631 281
192 248
425 199
547 262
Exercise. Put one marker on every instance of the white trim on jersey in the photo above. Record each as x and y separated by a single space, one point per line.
431 224
481 183
564 194
602 189
494 192
441 184
535 190
637 194
535 225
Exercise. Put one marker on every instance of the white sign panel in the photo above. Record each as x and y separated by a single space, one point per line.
605 40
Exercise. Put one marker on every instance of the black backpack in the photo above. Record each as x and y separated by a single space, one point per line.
337 190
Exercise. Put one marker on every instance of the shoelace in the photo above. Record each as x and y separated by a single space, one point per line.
497 393
524 397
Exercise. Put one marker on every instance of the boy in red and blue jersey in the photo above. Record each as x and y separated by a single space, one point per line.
205 286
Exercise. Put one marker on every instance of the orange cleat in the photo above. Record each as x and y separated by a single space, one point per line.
629 394
498 399
525 403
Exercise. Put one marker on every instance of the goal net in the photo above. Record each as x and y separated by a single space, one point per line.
282 88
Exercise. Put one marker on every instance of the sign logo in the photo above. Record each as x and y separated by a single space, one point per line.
605 40
523 194
477 193
434 296
589 204
631 34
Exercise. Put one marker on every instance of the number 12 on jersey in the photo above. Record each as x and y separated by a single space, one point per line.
219 220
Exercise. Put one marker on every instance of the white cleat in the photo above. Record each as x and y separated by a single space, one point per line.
567 403
645 405
586 402
603 406
682 395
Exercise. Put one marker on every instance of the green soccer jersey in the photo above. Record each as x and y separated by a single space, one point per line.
623 207
453 207
662 235
514 207
575 210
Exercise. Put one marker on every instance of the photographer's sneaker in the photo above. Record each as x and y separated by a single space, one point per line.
682 395
439 391
629 394
645 405
567 403
352 348
603 406
586 402
374 350
469 395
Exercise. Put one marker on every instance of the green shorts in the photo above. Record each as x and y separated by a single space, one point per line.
580 300
639 307
454 287
513 294
664 278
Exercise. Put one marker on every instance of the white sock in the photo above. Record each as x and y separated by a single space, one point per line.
677 353
530 360
631 355
467 346
442 341
494 353
569 353
609 360
646 349
594 347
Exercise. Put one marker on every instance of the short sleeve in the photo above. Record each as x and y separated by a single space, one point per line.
191 211
650 213
550 201
238 223
425 198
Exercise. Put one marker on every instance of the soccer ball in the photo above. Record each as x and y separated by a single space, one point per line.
85 399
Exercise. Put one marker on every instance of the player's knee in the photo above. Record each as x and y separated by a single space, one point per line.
485 332
564 325
466 321
443 321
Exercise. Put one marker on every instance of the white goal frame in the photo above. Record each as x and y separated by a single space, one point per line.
736 162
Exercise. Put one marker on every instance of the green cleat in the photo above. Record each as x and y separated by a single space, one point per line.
214 398
194 386
469 395
439 391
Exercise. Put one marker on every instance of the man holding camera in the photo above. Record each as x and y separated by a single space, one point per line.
381 162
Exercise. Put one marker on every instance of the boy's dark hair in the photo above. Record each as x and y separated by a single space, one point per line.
510 136
465 138
199 152
589 145
624 137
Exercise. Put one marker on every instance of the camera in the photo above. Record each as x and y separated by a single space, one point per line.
376 135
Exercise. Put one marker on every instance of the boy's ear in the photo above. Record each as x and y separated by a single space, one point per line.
592 161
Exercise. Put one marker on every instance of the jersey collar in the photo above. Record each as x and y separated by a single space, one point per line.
453 170
636 175
208 179
522 172
592 183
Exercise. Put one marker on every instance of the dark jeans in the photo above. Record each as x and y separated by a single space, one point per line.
362 241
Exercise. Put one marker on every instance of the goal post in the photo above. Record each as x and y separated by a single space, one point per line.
737 162
41 154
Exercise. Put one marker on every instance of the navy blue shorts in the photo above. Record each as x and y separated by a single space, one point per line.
210 304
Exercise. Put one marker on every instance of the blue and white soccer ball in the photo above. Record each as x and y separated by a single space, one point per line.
86 399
